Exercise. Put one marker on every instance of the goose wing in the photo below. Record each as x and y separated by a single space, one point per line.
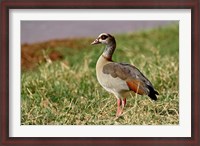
134 79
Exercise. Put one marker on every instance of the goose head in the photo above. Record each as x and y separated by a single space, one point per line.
104 38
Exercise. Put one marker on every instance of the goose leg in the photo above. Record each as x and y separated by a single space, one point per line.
119 110
124 102
120 106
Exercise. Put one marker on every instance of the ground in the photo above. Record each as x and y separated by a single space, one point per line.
59 85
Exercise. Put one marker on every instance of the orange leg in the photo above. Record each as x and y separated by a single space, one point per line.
119 110
120 106
123 102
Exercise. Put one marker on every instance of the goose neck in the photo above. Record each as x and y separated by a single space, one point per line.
109 50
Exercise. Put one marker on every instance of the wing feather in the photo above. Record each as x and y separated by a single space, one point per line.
135 80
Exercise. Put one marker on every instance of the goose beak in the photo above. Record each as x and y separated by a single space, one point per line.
95 42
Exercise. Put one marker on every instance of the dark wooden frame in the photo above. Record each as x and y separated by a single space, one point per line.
194 5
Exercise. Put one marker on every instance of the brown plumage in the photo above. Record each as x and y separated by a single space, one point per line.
120 78
133 77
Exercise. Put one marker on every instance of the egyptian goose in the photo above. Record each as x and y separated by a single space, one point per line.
120 78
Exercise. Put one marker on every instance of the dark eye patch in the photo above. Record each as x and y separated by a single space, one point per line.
103 37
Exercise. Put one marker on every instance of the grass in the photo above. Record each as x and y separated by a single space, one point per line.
66 92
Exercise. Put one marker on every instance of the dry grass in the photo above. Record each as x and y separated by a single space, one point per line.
67 92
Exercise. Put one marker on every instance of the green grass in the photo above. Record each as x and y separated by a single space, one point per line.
67 92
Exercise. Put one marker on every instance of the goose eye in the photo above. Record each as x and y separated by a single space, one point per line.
103 37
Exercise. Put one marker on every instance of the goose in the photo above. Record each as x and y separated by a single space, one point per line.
120 78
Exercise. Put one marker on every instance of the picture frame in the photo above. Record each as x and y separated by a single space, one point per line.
88 4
